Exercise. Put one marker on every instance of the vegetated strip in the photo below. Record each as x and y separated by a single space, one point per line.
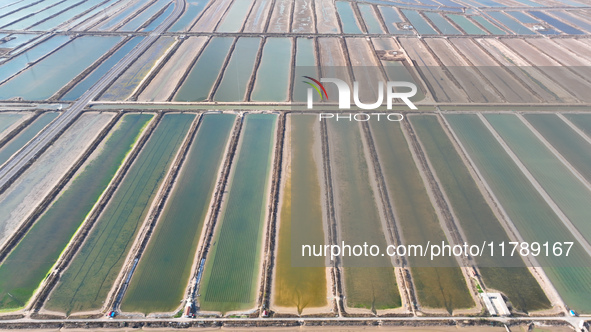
527 210
437 284
370 282
572 146
565 189
232 267
163 272
301 283
478 221
31 260
88 279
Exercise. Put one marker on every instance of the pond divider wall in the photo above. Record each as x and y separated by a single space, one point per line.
218 80
253 74
188 70
335 273
80 236
270 237
121 283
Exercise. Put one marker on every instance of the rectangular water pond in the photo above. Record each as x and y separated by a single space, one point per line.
301 284
233 263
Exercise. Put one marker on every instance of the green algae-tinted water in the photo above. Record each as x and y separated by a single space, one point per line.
272 79
305 66
232 269
27 265
528 211
238 71
160 279
25 135
477 220
131 78
202 76
418 22
569 144
370 19
88 279
493 29
46 77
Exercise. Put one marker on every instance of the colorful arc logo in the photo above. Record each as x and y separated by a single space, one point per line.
316 87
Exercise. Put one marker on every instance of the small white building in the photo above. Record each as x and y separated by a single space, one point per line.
495 304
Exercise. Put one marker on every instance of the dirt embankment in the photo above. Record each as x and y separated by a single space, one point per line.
331 218
24 227
270 237
141 242
78 239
